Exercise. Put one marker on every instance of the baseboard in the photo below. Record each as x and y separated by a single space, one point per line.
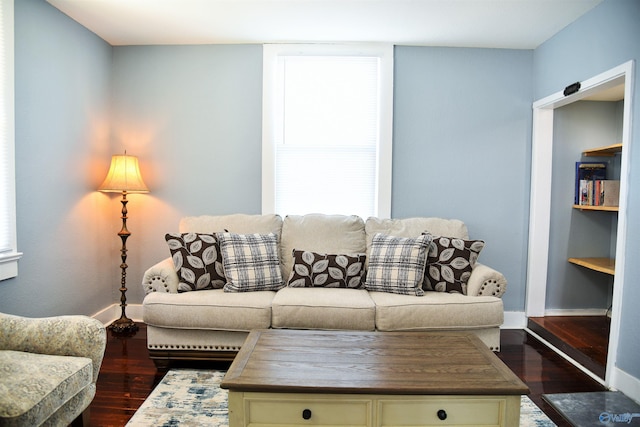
626 383
514 320
109 314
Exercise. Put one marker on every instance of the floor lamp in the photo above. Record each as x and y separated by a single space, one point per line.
124 177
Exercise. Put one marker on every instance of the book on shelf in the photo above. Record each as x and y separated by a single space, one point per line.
587 173
609 192
601 192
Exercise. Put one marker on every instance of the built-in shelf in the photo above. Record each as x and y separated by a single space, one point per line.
596 208
607 151
603 265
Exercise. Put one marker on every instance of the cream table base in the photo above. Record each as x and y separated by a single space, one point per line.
258 409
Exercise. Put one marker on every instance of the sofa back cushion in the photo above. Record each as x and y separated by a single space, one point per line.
328 234
235 223
414 227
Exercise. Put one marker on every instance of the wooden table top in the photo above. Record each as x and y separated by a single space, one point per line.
335 362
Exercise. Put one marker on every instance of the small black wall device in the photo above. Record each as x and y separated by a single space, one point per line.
571 89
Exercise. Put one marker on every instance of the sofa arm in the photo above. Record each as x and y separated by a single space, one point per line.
485 281
161 277
79 336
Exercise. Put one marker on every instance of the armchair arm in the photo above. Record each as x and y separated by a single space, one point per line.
485 280
80 336
161 277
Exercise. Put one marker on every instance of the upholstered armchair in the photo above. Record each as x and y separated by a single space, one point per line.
48 369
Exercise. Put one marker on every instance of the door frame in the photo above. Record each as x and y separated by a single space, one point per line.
540 197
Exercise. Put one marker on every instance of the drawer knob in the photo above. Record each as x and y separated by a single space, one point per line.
442 414
306 414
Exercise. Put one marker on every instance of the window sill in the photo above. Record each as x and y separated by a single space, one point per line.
9 265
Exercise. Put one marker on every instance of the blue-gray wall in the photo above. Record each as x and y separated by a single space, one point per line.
461 147
193 114
62 93
605 37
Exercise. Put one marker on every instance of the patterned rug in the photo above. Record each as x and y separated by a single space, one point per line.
189 397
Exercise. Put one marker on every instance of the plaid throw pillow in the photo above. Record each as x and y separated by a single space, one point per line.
197 260
251 262
449 264
396 264
313 270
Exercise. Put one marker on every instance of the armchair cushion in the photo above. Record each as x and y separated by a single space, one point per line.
34 386
60 335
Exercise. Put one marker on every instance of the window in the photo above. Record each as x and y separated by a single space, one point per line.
8 253
327 129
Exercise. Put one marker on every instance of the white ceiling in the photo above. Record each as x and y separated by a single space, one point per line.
516 24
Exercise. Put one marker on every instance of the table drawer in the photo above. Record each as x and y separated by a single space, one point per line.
459 411
316 410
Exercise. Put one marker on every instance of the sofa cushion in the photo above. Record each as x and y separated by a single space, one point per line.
311 269
34 386
328 234
449 264
324 309
436 311
235 223
197 260
212 309
251 262
413 227
396 264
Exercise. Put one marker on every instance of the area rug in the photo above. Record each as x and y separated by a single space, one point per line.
189 397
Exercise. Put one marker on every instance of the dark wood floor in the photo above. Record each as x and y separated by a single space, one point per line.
584 338
128 375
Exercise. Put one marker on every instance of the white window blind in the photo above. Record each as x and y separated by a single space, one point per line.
327 130
8 253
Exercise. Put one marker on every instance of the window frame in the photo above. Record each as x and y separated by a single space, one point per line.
9 258
271 52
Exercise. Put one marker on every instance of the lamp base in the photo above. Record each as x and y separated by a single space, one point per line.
123 326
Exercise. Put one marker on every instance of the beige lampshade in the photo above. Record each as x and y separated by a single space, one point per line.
124 175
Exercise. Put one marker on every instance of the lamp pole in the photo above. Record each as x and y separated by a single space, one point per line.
124 325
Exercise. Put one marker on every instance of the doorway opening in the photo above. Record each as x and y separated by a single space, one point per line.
567 295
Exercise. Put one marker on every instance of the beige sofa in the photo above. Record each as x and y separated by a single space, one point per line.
213 324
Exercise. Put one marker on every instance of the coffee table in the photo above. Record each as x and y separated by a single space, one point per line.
343 378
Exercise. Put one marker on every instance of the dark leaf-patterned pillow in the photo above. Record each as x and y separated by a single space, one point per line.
197 260
449 264
314 270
